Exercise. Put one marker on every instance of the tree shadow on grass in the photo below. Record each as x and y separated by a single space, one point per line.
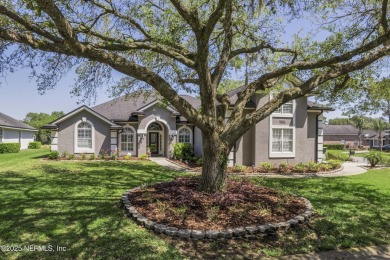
348 215
76 206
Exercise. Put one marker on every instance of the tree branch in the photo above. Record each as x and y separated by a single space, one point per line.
258 48
383 21
190 17
244 123
62 25
28 25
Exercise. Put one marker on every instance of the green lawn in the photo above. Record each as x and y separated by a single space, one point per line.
75 205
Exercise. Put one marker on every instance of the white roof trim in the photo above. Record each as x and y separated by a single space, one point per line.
18 128
78 110
154 103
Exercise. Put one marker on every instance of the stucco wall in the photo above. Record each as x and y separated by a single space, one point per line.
12 136
304 139
66 133
198 145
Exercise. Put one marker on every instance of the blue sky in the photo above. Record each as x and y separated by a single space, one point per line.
19 95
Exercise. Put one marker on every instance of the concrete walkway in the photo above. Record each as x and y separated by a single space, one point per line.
349 169
371 252
164 162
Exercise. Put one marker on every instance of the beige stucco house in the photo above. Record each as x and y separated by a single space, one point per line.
293 133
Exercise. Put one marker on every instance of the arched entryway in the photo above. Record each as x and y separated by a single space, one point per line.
156 138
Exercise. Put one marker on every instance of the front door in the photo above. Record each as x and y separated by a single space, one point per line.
153 142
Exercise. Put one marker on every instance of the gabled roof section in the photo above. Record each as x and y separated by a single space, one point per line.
315 106
78 110
9 122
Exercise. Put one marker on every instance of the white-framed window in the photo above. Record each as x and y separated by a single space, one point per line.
282 140
286 108
1 135
84 137
184 135
127 139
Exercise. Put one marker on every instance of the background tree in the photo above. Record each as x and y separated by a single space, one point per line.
192 45
38 120
379 126
360 123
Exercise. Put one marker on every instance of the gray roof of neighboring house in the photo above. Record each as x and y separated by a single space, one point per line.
315 106
348 130
7 121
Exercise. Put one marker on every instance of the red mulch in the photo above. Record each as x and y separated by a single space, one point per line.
179 204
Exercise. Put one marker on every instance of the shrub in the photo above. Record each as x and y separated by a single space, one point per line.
312 166
300 168
374 158
65 155
9 147
34 145
284 168
238 168
71 157
83 156
334 146
92 157
335 164
182 151
114 157
323 167
266 166
127 157
333 156
54 155
143 156
199 161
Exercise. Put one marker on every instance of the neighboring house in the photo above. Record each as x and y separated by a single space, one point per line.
348 135
14 131
293 133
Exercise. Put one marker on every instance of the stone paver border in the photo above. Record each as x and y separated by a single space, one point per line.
239 232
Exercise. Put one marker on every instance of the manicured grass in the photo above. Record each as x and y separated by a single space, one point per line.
75 205
387 154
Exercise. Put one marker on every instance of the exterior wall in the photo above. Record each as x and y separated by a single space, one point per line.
244 151
18 136
304 135
198 143
26 138
163 116
66 133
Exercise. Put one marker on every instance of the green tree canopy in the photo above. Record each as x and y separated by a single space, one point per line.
38 120
193 45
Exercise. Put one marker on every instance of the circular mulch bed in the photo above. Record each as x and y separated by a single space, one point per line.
177 208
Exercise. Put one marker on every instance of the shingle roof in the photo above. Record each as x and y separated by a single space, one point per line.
7 121
348 130
121 108
315 106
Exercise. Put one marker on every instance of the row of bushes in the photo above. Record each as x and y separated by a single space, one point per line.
55 155
335 156
334 146
374 158
286 168
9 147
35 145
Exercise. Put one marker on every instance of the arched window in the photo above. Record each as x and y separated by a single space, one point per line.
127 139
84 137
155 126
184 135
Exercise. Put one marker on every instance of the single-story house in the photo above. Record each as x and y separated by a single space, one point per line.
14 131
131 125
348 135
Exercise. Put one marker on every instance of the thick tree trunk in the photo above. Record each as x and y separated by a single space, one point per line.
215 158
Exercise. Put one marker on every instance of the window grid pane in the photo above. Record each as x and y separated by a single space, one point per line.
282 140
127 140
184 136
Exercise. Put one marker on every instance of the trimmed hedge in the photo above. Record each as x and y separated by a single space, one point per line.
34 145
334 146
9 147
182 151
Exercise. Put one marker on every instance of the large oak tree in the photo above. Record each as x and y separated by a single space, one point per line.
194 44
